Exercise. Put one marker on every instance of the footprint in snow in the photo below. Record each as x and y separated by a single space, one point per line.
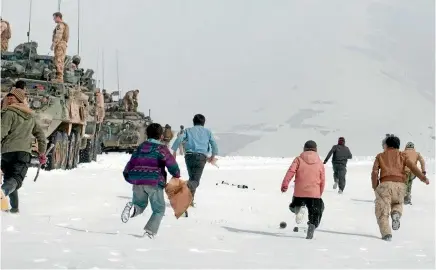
11 228
75 219
114 259
40 260
142 249
223 250
197 250
363 249
115 253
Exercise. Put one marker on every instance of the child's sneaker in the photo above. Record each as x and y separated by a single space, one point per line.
126 214
300 214
340 192
149 234
395 220
335 185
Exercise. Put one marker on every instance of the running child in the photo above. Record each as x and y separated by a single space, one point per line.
309 185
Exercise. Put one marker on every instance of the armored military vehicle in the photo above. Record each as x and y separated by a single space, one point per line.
122 131
68 112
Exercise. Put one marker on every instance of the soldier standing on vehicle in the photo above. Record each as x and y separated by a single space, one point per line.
61 35
5 35
107 97
130 101
341 155
18 124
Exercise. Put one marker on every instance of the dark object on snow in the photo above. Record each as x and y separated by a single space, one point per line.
283 225
238 186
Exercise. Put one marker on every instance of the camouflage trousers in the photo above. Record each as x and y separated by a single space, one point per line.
60 50
130 105
389 198
4 45
409 181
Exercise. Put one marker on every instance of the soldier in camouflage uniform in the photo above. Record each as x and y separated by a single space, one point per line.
415 157
61 34
168 135
130 101
106 96
5 35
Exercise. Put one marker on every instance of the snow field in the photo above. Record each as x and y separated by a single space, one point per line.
71 219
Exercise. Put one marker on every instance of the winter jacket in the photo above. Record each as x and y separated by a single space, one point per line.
391 165
147 165
341 155
414 157
18 124
309 175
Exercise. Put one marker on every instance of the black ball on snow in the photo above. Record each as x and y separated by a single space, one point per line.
283 225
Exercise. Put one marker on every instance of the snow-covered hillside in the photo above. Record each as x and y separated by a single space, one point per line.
72 220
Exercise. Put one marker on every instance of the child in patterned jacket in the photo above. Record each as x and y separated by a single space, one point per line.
146 172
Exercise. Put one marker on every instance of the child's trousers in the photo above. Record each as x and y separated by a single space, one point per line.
141 195
315 206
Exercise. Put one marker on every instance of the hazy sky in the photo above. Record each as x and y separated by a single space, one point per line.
255 61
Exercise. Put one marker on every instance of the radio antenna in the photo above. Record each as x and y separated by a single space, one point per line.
30 19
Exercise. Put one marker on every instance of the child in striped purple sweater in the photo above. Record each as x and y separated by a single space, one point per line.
146 172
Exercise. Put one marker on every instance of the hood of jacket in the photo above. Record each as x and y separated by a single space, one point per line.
150 145
310 157
21 109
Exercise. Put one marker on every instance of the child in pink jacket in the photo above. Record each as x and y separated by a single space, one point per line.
309 185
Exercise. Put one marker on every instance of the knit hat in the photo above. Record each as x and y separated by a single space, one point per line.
19 94
310 146
341 140
410 145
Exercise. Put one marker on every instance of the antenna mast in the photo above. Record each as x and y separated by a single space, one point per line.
30 19
118 76
102 67
78 27
97 76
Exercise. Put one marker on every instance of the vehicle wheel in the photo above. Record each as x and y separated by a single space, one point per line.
86 154
65 142
71 150
54 159
77 151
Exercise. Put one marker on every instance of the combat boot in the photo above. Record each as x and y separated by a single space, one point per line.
387 237
395 220
408 199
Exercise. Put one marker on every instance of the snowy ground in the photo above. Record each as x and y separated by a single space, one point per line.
72 220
